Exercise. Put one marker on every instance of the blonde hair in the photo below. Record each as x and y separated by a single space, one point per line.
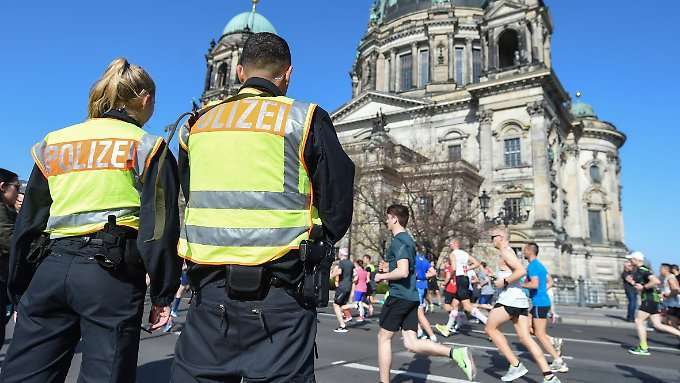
121 85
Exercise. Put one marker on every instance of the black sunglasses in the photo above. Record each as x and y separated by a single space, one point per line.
494 236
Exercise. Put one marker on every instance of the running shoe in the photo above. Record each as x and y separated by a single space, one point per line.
341 330
514 373
463 358
557 344
443 330
554 379
639 351
433 338
558 365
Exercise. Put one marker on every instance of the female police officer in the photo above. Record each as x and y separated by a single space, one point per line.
97 191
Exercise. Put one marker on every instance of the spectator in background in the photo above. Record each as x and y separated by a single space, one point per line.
9 191
20 197
487 292
629 288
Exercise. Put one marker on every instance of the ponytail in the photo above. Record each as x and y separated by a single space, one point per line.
121 85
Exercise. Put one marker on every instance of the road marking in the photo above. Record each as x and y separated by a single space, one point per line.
593 342
427 377
658 348
495 349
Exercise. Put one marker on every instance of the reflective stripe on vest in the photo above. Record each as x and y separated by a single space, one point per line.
94 169
250 194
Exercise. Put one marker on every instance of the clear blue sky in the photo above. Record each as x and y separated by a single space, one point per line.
622 55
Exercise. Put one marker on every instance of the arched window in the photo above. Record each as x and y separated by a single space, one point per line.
508 48
595 174
224 76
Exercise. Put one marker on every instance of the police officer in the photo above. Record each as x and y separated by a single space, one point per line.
111 217
266 170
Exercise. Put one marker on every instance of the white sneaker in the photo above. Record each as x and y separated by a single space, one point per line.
341 330
433 338
514 373
558 365
554 379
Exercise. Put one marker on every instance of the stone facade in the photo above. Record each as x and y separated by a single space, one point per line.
472 81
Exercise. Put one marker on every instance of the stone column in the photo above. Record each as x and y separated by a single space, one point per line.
529 45
234 62
613 212
414 65
485 159
433 58
539 153
380 72
393 70
468 61
485 52
493 51
451 60
540 44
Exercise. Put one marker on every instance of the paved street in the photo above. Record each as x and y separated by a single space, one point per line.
594 354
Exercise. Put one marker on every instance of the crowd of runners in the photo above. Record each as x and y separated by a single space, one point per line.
473 291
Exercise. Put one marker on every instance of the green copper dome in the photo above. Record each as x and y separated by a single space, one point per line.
387 10
582 110
250 21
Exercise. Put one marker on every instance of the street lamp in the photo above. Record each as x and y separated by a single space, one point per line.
508 214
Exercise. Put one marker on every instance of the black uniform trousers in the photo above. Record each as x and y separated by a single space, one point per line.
225 340
69 297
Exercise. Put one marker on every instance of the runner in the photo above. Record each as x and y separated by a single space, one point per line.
537 282
344 271
401 307
449 297
486 282
670 295
433 288
360 288
513 305
423 271
645 284
462 262
372 286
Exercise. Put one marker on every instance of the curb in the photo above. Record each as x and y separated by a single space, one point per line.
596 322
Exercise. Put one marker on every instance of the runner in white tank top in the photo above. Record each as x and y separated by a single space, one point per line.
462 261
513 305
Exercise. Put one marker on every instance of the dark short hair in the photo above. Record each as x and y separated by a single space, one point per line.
7 175
667 265
266 51
534 247
399 211
675 267
482 263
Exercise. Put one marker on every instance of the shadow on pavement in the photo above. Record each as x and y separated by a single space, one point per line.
499 366
420 365
635 373
156 371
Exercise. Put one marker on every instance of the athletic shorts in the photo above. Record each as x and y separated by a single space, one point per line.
341 296
514 312
399 314
540 312
422 293
485 299
463 292
432 284
673 312
650 307
359 296
448 297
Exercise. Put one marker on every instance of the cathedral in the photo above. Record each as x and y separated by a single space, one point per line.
467 87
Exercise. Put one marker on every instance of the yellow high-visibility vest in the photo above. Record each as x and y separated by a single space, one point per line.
250 196
94 169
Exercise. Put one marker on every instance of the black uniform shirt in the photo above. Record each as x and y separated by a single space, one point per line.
160 256
332 176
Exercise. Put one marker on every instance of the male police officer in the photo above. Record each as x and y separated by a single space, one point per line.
267 172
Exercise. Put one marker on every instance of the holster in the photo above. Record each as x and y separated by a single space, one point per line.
40 249
113 243
317 258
